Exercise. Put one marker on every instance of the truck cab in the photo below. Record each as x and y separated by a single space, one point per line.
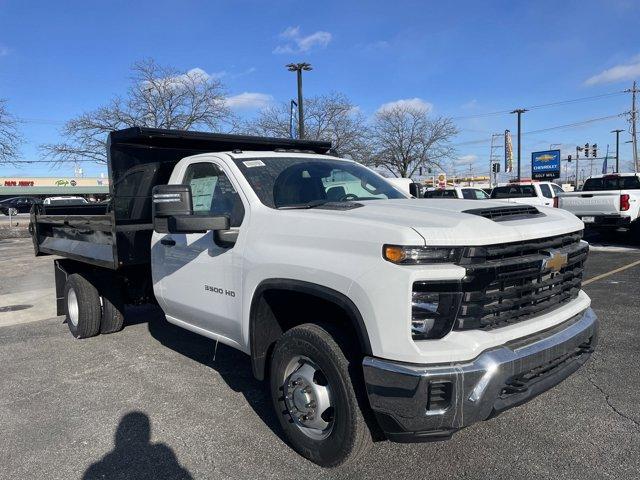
370 315
468 193
528 193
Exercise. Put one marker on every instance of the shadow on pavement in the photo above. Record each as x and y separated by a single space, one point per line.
135 457
233 366
613 238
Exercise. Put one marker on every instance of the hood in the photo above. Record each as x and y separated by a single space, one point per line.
443 221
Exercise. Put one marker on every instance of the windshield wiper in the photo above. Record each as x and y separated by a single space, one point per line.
302 206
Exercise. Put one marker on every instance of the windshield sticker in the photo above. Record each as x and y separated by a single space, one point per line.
253 163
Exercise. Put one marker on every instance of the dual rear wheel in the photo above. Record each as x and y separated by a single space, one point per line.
92 310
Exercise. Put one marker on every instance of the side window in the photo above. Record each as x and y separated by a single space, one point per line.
546 190
468 193
212 192
556 189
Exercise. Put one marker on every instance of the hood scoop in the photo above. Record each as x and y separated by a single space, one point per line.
502 214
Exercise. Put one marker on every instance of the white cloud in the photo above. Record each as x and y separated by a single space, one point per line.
416 103
295 42
618 73
249 100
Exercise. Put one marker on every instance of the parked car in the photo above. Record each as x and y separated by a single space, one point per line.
369 309
606 201
64 201
528 193
469 193
16 205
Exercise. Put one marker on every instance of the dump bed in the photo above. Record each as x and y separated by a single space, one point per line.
118 232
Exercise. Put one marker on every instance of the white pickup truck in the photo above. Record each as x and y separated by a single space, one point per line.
469 193
606 201
372 315
528 193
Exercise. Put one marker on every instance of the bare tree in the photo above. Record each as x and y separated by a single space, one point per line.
10 138
159 97
404 138
327 117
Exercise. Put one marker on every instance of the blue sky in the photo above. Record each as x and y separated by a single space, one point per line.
461 58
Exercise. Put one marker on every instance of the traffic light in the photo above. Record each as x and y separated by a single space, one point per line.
495 168
569 158
586 150
594 150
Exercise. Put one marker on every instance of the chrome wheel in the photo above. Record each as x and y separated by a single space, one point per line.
307 396
72 307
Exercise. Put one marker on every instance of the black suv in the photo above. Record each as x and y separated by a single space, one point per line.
17 205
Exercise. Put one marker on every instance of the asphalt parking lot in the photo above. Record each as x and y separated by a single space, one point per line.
156 401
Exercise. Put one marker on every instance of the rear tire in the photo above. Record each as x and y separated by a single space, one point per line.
112 309
83 306
346 435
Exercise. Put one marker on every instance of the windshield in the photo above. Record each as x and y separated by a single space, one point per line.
611 183
293 182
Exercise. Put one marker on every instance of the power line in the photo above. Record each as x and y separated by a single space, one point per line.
557 127
544 105
576 124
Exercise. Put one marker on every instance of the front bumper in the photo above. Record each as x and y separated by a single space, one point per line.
430 402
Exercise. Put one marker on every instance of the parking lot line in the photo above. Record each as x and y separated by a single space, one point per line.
607 274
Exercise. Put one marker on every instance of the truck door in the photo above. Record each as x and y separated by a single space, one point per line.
198 281
547 195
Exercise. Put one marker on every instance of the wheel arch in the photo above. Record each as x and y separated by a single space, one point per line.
264 329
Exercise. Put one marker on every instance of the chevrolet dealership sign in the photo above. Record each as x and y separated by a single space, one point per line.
545 165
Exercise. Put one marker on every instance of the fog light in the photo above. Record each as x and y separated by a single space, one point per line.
433 314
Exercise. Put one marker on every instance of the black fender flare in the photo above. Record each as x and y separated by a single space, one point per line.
262 334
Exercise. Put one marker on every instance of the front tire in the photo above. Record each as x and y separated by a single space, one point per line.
83 306
315 398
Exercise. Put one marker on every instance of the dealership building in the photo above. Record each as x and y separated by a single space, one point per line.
41 187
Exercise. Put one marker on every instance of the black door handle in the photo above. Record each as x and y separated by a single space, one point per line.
169 242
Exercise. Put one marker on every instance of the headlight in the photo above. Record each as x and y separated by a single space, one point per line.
433 313
403 255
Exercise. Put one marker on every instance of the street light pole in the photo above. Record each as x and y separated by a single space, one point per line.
298 68
617 132
519 111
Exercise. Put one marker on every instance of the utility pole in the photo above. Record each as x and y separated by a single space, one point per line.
634 116
617 132
291 107
298 68
578 150
492 158
519 111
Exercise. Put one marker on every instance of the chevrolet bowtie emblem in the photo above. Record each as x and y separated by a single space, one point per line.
556 261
